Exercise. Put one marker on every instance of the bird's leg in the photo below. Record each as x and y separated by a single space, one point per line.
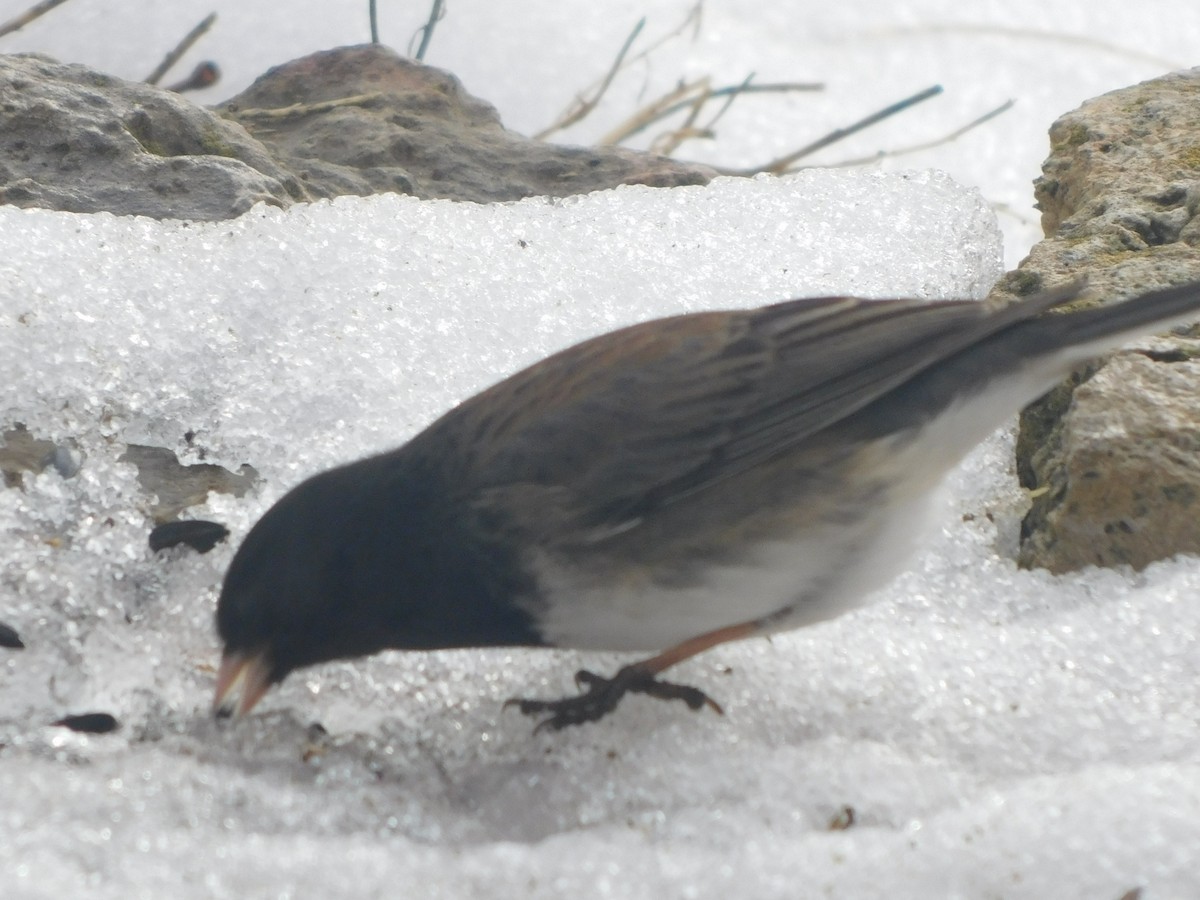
601 695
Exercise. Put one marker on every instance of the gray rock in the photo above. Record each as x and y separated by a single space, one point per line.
356 120
1113 462
160 473
363 120
176 486
21 452
73 139
1124 168
1130 455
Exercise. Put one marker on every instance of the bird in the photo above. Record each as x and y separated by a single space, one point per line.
660 489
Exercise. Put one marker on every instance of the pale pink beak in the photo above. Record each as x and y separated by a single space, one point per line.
242 681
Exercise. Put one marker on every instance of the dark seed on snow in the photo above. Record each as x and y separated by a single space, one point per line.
10 638
198 534
90 723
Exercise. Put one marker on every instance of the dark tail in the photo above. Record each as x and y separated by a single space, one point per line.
1096 330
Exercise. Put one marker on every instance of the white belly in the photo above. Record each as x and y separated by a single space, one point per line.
785 584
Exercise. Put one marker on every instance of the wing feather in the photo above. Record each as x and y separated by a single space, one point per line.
681 403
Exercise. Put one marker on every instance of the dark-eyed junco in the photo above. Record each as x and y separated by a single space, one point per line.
663 488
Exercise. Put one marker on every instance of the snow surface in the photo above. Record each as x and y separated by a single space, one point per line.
997 733
994 731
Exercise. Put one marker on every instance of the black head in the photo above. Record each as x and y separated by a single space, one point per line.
378 554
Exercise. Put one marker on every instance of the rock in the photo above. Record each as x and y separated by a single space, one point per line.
1124 168
1113 460
1129 485
356 120
177 486
21 452
73 139
363 120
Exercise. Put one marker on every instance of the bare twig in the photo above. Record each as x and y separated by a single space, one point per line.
667 143
652 111
1017 214
655 111
928 145
38 9
784 163
181 48
436 13
730 96
306 109
374 18
688 131
1034 34
204 75
734 90
693 18
583 105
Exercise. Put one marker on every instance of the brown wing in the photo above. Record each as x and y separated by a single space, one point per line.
630 420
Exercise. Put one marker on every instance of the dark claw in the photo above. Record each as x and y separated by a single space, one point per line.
601 695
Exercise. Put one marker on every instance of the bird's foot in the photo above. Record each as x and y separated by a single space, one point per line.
601 696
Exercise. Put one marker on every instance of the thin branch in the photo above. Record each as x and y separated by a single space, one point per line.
584 106
730 96
734 90
783 163
38 9
181 48
696 16
693 17
436 13
204 75
639 121
708 131
653 111
372 14
1036 34
297 110
1020 215
668 143
929 145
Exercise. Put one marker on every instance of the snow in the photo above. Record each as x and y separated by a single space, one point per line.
995 732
